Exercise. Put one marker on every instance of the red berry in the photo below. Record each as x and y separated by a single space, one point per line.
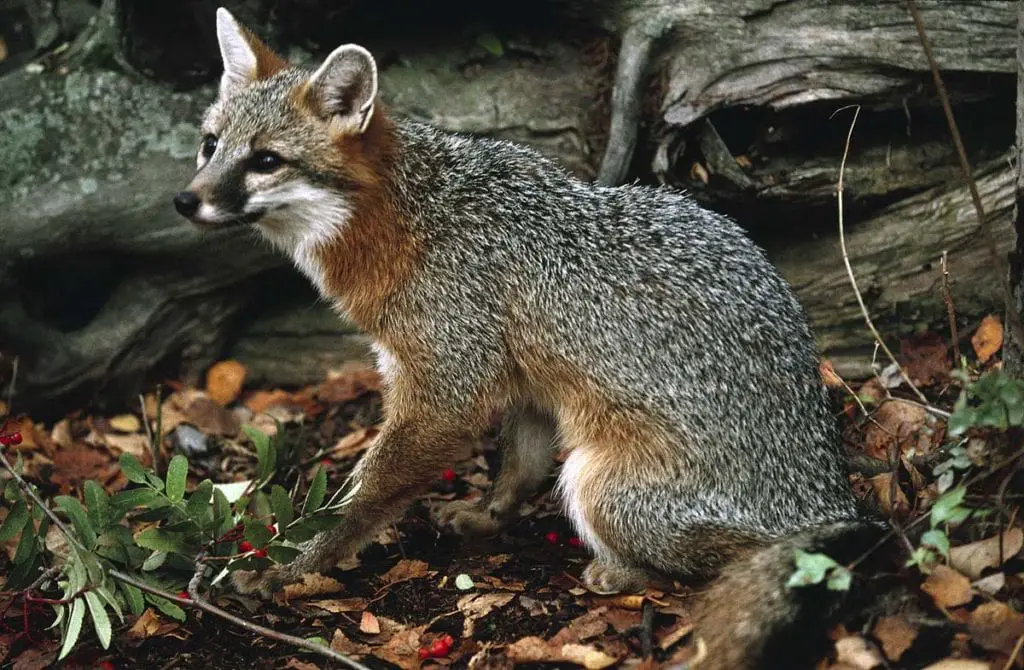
423 653
438 649
260 553
552 537
448 640
448 475
272 527
184 595
575 542
5 440
105 665
326 462
15 438
245 545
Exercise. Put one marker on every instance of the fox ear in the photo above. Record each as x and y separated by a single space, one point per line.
344 88
245 57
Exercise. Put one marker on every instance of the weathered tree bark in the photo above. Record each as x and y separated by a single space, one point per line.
895 256
1013 351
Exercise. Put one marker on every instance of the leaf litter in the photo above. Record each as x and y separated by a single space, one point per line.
522 601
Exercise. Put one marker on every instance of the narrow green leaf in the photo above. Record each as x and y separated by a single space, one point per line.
316 493
136 602
110 598
257 533
161 540
282 554
79 518
200 505
167 607
14 522
12 492
155 560
97 504
936 539
100 620
491 43
132 498
177 474
132 469
74 628
946 505
282 505
271 458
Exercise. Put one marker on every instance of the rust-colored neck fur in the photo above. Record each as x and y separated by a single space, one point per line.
376 252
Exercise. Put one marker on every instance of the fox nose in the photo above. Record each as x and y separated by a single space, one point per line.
187 203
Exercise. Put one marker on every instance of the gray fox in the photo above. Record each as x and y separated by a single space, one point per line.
645 336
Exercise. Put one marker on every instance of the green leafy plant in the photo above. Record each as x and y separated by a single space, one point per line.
817 568
184 534
993 400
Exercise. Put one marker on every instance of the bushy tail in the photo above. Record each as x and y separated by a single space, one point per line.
748 619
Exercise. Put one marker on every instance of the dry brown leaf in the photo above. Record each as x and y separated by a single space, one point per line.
137 445
587 656
72 467
996 627
744 161
925 358
583 628
947 587
855 651
368 623
903 423
882 485
36 658
348 383
629 602
260 401
343 645
211 418
991 584
313 584
828 374
623 619
339 605
405 570
149 624
698 171
296 664
958 664
224 381
354 443
971 559
988 339
125 423
673 636
895 634
532 649
477 605
61 434
402 648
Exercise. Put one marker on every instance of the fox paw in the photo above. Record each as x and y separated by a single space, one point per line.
606 578
471 517
265 583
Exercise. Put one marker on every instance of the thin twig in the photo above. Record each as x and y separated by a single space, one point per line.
998 262
145 420
947 297
1016 652
312 647
10 387
849 268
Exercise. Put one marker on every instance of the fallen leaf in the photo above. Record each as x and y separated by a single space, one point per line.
35 658
882 485
354 443
926 358
368 623
988 338
137 445
477 605
947 587
339 605
260 401
996 627
901 423
125 423
828 374
587 656
855 651
402 648
583 628
895 634
673 637
212 418
224 381
958 664
296 664
532 649
150 624
991 584
405 570
972 559
313 584
348 383
343 645
698 171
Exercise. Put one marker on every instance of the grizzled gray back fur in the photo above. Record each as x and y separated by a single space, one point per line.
666 305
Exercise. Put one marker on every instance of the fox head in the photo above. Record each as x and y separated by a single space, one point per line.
282 148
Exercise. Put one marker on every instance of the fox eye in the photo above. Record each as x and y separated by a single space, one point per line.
209 146
265 161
